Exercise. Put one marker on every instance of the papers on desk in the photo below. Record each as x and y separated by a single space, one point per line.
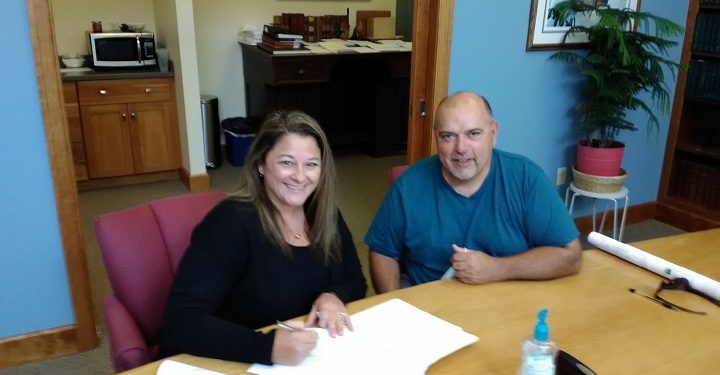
327 46
393 337
170 367
656 264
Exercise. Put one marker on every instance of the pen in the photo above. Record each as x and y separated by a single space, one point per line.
286 326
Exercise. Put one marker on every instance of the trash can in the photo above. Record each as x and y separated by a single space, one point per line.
211 130
239 135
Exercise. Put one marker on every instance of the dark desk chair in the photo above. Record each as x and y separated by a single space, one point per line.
141 248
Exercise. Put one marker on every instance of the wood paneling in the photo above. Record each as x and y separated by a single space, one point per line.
17 350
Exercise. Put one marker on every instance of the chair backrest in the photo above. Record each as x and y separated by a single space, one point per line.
396 171
141 248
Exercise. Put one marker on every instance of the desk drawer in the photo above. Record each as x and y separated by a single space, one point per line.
300 71
124 91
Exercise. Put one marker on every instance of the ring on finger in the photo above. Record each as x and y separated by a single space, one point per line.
341 314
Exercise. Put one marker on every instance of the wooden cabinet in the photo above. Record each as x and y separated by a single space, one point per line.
689 195
72 113
129 126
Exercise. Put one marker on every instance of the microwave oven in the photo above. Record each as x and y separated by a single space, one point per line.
122 50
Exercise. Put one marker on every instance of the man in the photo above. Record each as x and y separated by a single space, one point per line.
489 214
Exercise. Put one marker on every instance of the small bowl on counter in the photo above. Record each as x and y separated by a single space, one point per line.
73 61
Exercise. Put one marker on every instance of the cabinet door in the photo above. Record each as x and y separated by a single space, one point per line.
153 131
72 114
107 140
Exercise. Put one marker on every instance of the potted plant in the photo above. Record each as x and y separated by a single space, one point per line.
624 60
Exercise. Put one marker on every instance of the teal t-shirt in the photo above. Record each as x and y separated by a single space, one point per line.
515 209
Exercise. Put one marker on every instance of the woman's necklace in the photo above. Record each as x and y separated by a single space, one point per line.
296 234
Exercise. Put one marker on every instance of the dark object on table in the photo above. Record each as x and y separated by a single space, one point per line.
569 365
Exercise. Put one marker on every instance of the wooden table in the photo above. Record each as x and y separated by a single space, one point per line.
592 316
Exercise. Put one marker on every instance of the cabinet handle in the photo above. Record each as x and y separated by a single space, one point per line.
103 92
124 115
148 90
132 114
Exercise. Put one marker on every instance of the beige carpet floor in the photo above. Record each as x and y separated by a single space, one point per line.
362 185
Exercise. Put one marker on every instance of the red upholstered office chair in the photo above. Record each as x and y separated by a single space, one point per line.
396 171
141 248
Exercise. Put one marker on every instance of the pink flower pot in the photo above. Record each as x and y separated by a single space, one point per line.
600 161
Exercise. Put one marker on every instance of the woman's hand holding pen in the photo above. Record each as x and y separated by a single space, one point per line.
292 343
329 312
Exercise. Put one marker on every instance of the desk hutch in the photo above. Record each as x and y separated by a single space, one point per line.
360 99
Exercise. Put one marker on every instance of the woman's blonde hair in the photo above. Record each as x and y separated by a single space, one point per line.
320 208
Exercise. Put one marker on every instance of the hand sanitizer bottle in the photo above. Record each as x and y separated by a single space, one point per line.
538 352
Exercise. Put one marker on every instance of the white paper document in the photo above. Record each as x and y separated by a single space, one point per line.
656 264
170 367
393 337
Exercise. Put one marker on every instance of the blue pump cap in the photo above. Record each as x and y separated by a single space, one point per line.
541 328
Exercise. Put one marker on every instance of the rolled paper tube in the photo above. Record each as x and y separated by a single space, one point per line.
656 264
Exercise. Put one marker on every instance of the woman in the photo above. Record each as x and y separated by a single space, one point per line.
277 249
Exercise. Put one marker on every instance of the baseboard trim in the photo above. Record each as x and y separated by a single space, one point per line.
34 346
635 214
107 182
691 221
195 183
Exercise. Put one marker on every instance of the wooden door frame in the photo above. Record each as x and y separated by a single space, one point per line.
432 29
432 34
81 335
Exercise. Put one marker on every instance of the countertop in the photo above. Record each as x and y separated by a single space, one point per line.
86 74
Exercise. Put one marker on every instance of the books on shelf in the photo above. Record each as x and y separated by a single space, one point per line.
311 28
703 81
707 33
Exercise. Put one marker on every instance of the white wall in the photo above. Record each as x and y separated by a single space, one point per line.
175 31
72 19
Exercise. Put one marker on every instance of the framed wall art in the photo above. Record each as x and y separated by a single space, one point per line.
545 32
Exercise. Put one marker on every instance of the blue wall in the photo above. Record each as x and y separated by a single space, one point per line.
532 97
34 292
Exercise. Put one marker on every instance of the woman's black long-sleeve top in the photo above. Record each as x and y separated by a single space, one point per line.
233 280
